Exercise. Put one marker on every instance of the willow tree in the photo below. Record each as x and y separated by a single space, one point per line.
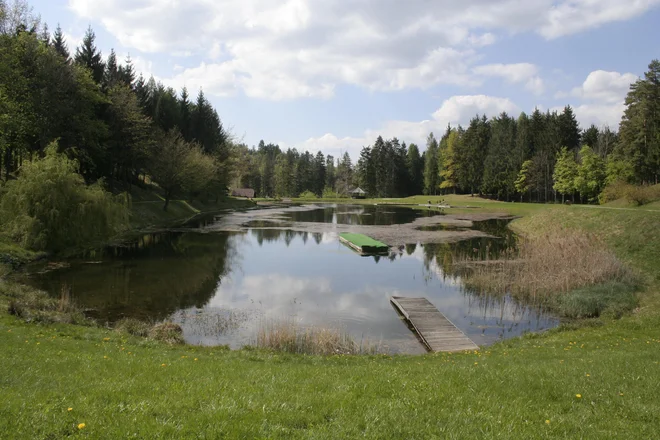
49 206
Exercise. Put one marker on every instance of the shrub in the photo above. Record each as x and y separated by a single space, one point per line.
637 194
34 305
613 299
308 195
167 332
133 327
643 195
49 206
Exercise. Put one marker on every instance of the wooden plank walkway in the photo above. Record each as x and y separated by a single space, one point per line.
436 331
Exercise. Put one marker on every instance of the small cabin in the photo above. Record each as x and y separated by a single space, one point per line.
243 192
358 193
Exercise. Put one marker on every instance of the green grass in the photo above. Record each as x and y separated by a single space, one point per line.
125 387
120 386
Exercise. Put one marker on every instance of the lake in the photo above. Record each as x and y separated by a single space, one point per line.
220 284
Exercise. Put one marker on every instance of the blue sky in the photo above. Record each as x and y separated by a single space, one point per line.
333 74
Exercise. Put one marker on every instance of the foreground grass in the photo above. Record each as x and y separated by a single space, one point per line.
121 387
599 380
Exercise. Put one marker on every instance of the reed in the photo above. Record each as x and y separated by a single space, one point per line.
289 336
547 266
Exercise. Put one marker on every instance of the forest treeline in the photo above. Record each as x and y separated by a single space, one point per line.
80 112
544 156
118 126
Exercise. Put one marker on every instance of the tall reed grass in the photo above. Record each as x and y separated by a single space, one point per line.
289 336
547 266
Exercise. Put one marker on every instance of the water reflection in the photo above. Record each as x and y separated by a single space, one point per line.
221 286
369 215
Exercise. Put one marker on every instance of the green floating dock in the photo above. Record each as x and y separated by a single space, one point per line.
363 244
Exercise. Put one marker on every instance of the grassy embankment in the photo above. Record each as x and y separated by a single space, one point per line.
147 208
593 381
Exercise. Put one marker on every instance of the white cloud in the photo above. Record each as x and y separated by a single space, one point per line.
569 17
601 96
514 74
304 48
599 114
611 87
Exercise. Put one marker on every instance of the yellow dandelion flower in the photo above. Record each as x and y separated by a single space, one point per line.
588 375
195 358
476 363
106 339
620 394
579 396
105 357
69 409
163 365
547 422
81 425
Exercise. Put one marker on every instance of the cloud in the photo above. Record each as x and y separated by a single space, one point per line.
455 110
570 17
514 74
599 114
602 86
303 48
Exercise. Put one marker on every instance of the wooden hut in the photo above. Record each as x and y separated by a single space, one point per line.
358 193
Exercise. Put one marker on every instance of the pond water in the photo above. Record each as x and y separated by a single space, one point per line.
221 286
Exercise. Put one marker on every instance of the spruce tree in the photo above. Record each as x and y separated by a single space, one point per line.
59 43
89 56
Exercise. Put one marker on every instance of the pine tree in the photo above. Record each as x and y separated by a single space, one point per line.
45 35
89 56
500 171
184 111
111 74
59 43
590 136
415 166
366 172
344 175
640 126
127 72
569 129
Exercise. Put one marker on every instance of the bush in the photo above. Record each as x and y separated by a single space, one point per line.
329 193
308 195
167 332
636 194
612 299
49 207
34 305
133 327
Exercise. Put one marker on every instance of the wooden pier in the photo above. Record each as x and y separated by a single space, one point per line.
436 331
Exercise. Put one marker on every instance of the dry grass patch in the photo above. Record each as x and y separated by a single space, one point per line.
32 305
167 332
549 266
290 337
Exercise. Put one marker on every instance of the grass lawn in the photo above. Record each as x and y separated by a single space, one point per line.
596 379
